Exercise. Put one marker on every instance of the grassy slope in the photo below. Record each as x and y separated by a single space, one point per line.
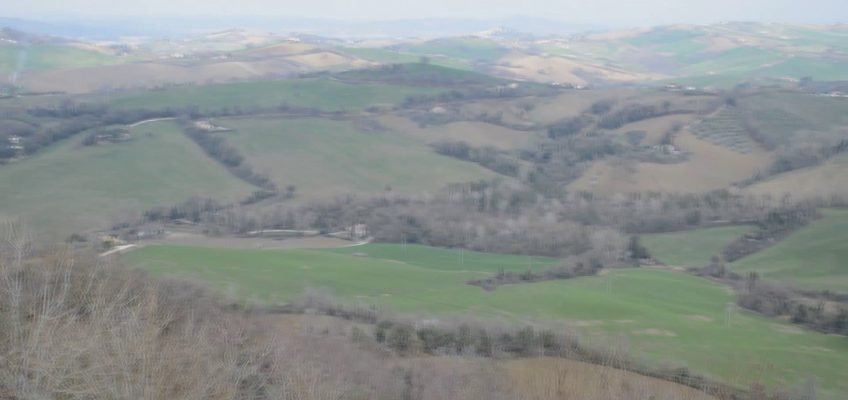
388 56
324 157
49 56
742 59
69 187
816 257
470 49
322 94
57 56
447 259
691 248
624 302
422 74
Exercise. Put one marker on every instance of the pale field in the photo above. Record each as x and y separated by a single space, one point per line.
477 134
709 167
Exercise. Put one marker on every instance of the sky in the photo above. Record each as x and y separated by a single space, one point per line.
608 12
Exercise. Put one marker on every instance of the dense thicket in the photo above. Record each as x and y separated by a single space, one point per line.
487 157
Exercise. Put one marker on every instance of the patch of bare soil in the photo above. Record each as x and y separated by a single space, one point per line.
701 318
195 239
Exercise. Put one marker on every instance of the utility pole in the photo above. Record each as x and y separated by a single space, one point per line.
727 309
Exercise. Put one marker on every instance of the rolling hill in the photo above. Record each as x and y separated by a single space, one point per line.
664 315
321 94
70 187
813 258
323 157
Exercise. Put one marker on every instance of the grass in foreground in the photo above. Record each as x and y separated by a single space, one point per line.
815 257
69 187
663 315
691 248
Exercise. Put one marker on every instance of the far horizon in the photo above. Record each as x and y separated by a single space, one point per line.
607 13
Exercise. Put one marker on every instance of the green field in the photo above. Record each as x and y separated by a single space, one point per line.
470 49
69 187
421 74
388 56
448 259
815 257
324 157
322 94
691 248
49 56
663 315
738 60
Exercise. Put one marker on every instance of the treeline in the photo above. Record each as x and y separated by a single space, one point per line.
192 210
487 157
529 276
218 148
557 162
772 228
569 126
480 92
633 113
802 154
507 217
778 301
823 311
43 126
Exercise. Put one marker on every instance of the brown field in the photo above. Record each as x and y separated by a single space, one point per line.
281 50
569 104
617 35
146 75
560 69
472 132
540 69
326 59
552 378
710 167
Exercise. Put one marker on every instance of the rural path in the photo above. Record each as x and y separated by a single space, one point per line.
362 243
117 249
150 120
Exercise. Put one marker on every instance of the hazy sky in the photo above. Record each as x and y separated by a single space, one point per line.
613 12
